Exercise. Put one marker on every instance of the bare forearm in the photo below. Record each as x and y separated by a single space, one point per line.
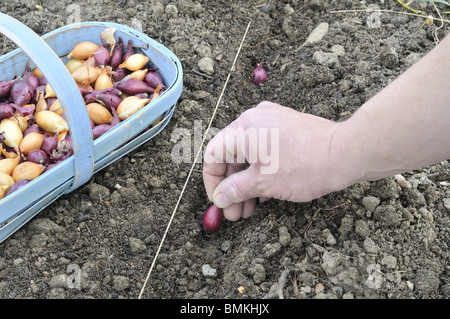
406 126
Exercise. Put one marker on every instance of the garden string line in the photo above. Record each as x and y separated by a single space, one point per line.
195 161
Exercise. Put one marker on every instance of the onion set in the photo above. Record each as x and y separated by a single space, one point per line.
114 80
259 74
212 219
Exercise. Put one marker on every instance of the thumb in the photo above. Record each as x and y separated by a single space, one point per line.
236 188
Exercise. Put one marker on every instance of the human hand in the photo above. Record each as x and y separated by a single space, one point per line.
270 151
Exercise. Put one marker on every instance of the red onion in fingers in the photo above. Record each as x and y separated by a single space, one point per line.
212 219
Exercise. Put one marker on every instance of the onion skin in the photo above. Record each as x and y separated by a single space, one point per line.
42 81
49 91
7 165
56 107
32 81
119 74
37 73
74 64
31 141
63 150
86 74
11 133
32 129
50 166
135 62
3 190
104 80
39 92
5 88
129 52
21 92
6 180
17 186
25 110
27 170
38 157
65 145
99 114
93 94
6 111
133 86
153 78
83 50
116 55
101 129
49 144
212 219
130 105
139 74
21 121
111 101
101 56
51 122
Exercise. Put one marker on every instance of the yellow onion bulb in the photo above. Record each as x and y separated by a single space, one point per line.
90 62
56 107
130 105
7 165
83 50
135 62
7 154
3 190
12 133
41 102
61 136
31 141
37 73
74 64
6 180
99 114
86 75
21 121
51 122
104 80
49 91
139 74
27 170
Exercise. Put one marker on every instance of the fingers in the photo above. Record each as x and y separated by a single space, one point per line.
236 188
228 181
221 152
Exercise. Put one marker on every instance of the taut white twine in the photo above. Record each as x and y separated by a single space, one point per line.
193 164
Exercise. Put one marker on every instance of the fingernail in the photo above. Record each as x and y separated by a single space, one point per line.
221 200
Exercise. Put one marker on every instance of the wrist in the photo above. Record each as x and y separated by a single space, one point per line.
347 156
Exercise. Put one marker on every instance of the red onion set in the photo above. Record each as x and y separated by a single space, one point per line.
115 82
212 219
259 74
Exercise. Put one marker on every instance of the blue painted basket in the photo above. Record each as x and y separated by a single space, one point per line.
89 156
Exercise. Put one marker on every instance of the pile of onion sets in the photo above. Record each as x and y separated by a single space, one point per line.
115 81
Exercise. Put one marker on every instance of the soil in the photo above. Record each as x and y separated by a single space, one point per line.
381 239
